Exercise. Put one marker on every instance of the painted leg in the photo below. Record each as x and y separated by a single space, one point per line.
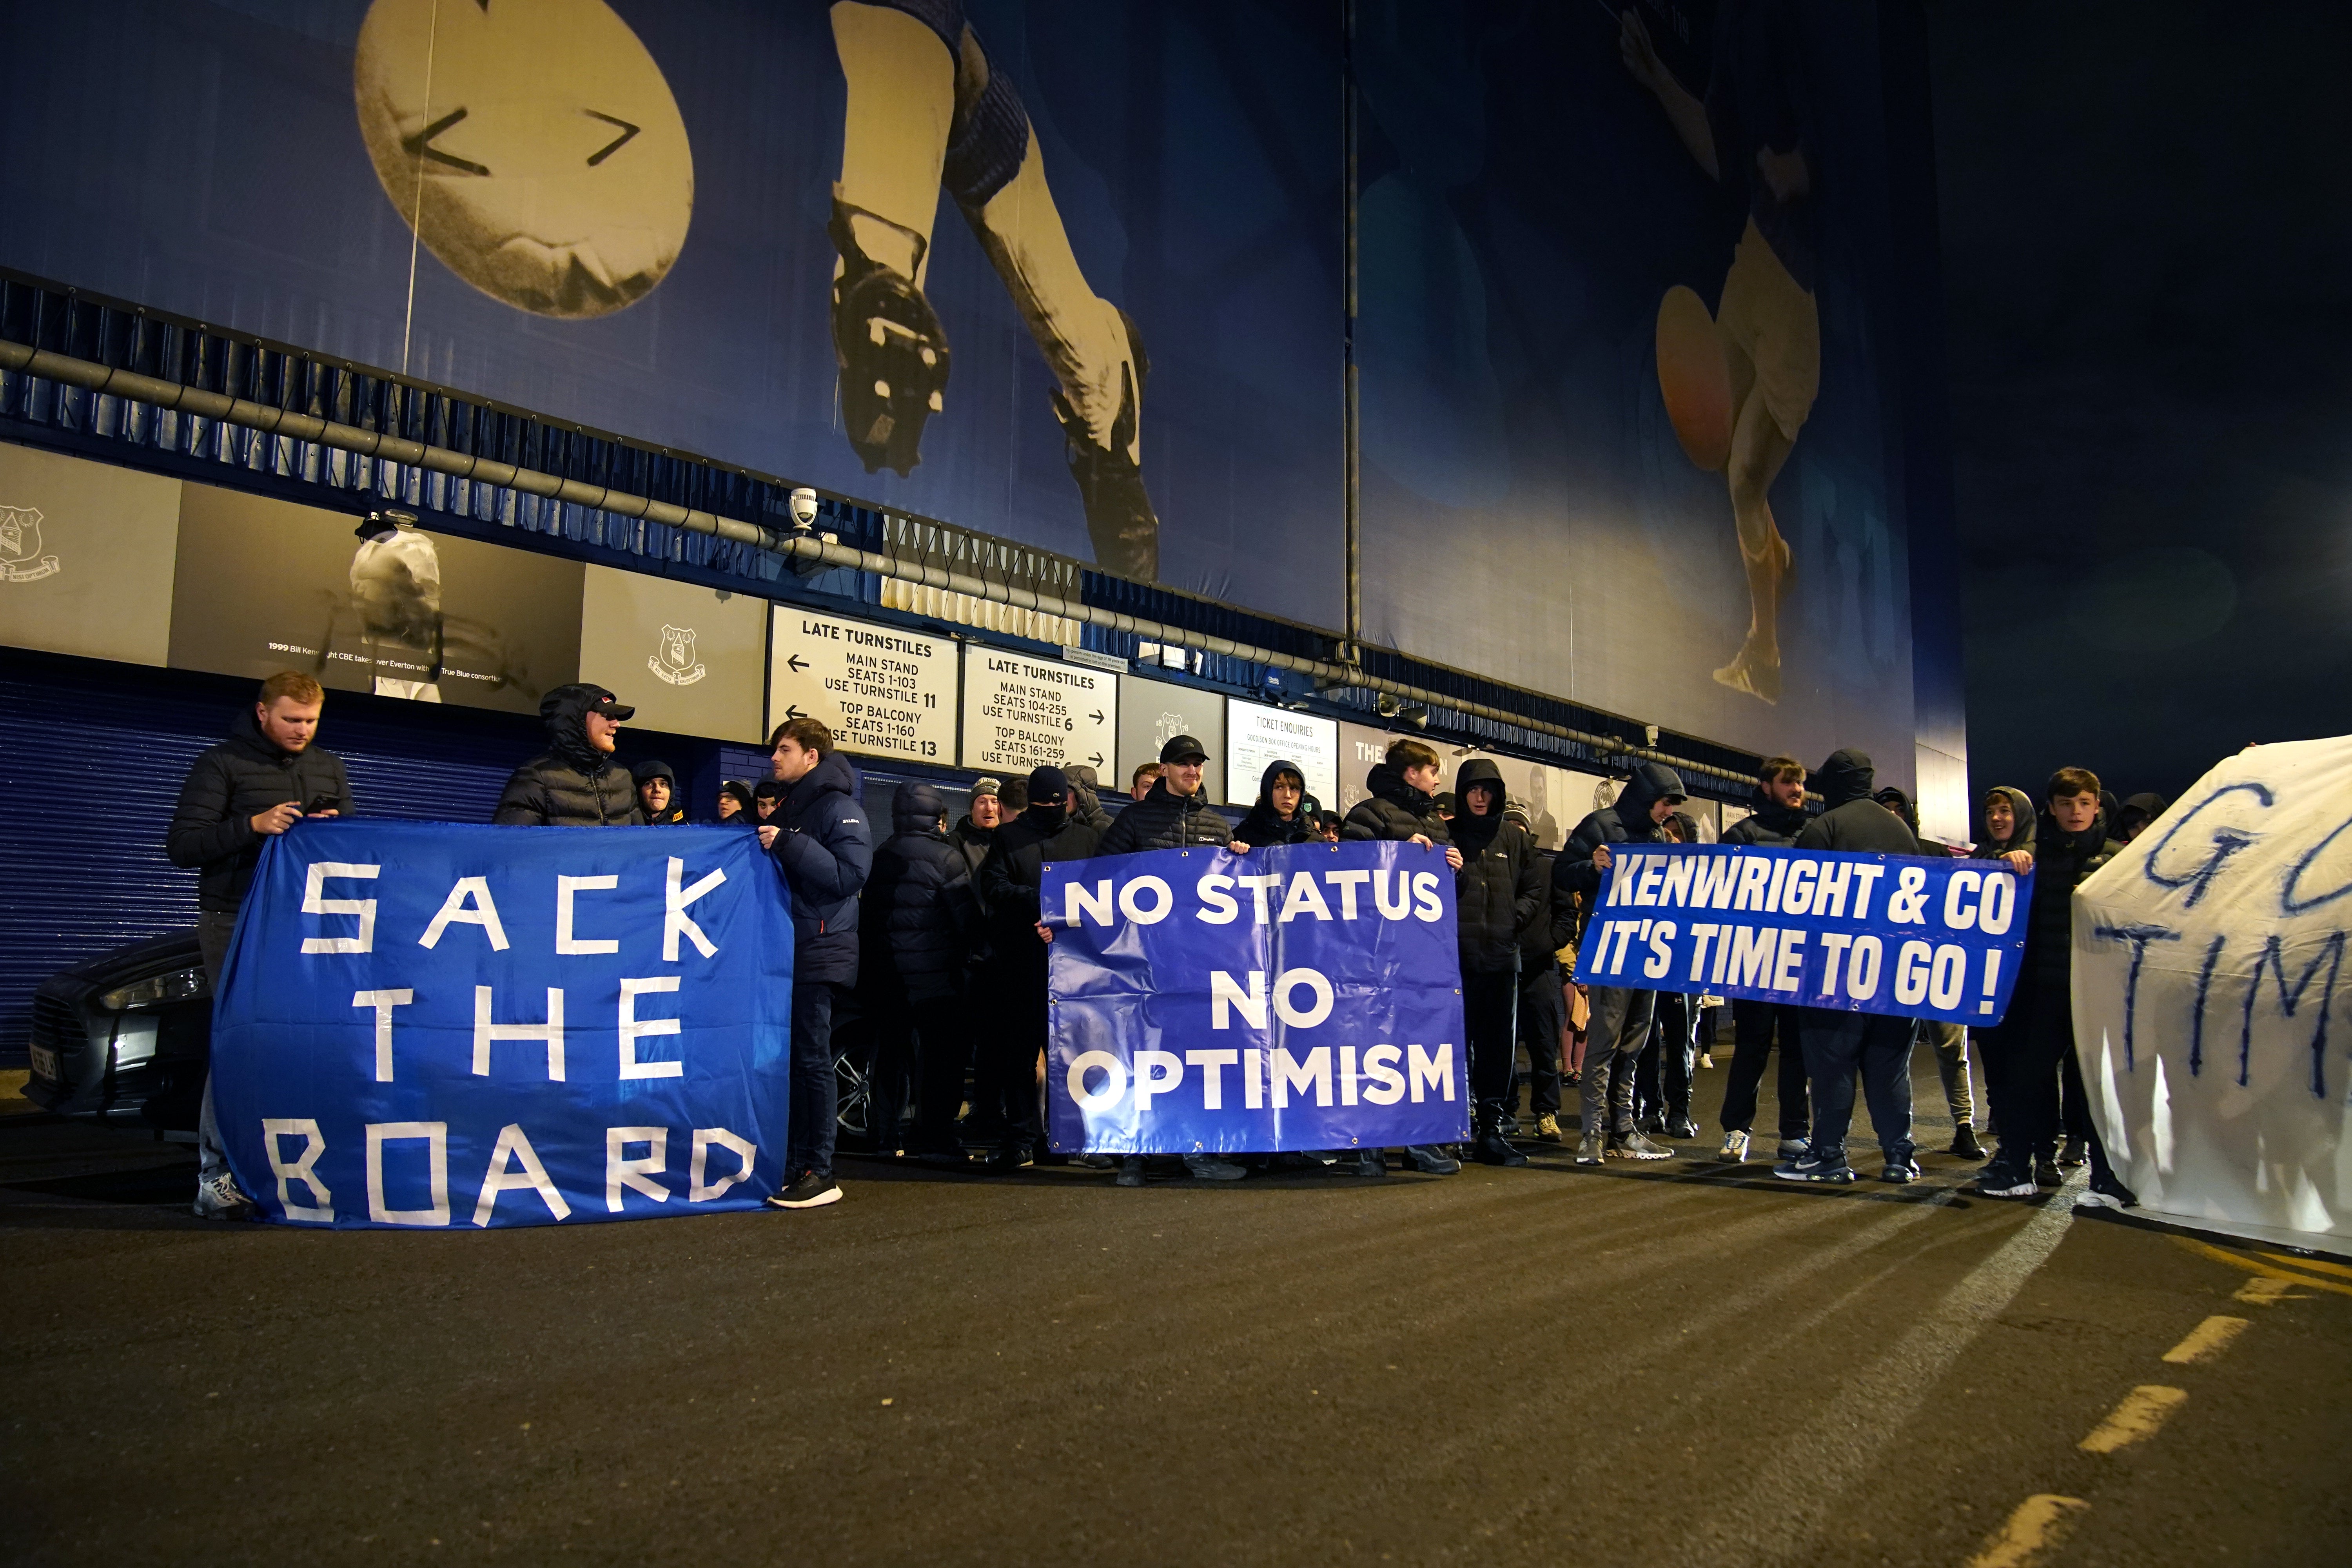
892 353
1758 449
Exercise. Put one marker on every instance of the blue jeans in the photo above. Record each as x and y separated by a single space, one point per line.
816 1102
1836 1045
213 932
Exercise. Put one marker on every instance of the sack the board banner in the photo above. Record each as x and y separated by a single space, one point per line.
1902 934
1301 997
427 1025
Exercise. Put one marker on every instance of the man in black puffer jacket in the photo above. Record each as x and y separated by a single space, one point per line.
819 839
911 974
257 783
1403 809
1176 814
1622 1015
1775 816
1009 882
1498 899
574 782
2033 1049
1838 1044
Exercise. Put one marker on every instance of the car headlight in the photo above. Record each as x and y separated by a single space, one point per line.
156 989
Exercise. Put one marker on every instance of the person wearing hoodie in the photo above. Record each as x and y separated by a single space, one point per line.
239 795
1498 901
1839 1043
1621 1015
911 976
1013 1032
2138 812
1280 816
2030 1052
1085 797
734 804
1403 809
1950 1040
1775 816
1542 1010
819 839
657 795
1176 814
575 783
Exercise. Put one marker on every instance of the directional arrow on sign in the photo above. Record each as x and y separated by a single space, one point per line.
794 713
1098 718
796 664
1096 758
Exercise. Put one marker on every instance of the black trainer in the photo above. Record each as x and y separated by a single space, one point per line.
1965 1144
1119 518
1131 1171
1494 1149
808 1191
891 350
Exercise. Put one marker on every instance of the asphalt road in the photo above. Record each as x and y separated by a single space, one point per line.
1661 1364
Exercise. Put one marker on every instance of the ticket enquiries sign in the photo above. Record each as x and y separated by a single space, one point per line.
423 1025
1257 736
883 692
1301 997
1902 934
1021 712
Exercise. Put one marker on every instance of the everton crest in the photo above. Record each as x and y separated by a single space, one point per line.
21 560
675 662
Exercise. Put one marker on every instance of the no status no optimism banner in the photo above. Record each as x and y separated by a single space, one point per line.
1910 935
1302 997
423 1024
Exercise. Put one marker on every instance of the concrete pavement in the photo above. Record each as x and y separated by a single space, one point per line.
1663 1363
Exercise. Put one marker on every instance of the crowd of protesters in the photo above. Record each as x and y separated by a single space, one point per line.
933 942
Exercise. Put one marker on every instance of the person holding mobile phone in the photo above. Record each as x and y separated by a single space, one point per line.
265 777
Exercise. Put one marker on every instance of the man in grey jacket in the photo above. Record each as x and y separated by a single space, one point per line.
1622 1015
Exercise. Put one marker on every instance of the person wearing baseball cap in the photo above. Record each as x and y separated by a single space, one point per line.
574 782
1013 1029
1176 814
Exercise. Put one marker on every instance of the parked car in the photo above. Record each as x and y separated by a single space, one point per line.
125 1038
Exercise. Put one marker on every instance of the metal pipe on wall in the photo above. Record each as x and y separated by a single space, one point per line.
107 381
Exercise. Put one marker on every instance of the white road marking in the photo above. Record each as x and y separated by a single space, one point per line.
1795 1490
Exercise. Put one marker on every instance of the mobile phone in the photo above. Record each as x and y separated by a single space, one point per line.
319 803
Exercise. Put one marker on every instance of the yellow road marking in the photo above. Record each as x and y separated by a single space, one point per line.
2206 1341
2040 1523
2340 1269
2253 1266
2262 1290
2134 1420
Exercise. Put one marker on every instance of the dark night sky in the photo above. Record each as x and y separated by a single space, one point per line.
2146 218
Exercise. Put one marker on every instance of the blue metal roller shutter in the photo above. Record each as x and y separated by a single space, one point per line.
92 757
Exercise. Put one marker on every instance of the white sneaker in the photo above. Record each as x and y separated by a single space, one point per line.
220 1198
1734 1148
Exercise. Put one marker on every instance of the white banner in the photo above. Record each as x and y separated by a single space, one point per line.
2213 1005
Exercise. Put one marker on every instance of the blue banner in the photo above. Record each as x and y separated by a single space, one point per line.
427 1025
1905 934
1302 997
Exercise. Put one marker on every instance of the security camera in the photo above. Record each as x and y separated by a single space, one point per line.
1417 716
804 508
383 522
